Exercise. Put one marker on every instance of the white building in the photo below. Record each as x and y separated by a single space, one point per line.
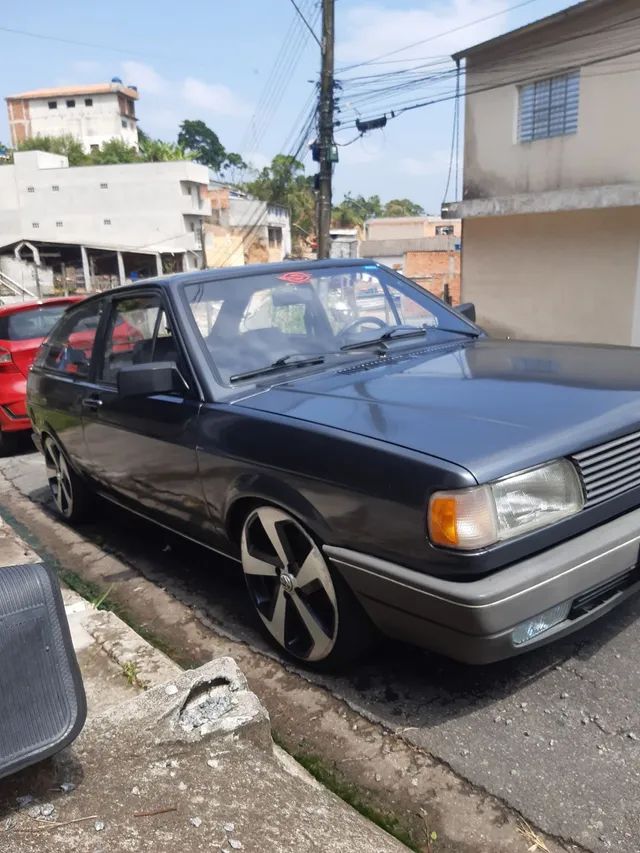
120 221
93 114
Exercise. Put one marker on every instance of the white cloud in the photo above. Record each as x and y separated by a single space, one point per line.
214 98
88 67
362 152
256 159
144 77
373 30
433 163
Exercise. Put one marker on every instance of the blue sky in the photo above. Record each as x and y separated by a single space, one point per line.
212 59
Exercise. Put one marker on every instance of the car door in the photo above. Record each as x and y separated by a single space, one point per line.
61 378
143 449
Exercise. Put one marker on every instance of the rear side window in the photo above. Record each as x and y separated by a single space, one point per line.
31 323
70 347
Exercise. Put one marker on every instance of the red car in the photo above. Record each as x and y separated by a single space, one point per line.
23 327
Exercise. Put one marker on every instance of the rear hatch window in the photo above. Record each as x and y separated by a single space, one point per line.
31 323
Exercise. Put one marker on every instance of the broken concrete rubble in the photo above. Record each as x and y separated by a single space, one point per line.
206 777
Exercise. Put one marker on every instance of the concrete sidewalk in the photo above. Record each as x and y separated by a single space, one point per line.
169 760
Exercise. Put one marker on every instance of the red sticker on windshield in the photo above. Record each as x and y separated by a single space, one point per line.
295 277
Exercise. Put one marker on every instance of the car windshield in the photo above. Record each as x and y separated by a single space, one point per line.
31 323
250 322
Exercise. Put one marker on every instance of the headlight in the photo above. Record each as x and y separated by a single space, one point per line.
467 519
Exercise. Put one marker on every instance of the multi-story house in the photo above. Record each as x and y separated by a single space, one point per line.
551 196
92 114
114 222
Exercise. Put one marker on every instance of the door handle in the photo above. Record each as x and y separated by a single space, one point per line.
91 403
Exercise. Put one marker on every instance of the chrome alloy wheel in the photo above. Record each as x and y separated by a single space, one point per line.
290 584
59 478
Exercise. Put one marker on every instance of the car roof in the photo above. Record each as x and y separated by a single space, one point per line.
226 273
38 303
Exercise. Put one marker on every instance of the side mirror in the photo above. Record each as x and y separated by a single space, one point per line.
468 310
144 380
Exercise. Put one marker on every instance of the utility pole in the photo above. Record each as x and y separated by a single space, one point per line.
325 128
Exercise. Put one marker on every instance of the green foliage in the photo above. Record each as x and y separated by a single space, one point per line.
114 151
66 145
402 207
158 151
352 212
205 146
284 183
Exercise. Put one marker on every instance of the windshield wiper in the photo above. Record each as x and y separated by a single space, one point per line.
294 359
389 335
400 332
468 333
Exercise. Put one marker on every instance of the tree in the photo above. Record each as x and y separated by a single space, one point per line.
284 183
402 207
196 137
115 151
65 145
352 212
158 151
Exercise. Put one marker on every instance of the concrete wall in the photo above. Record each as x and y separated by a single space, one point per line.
570 276
603 151
105 119
408 227
134 205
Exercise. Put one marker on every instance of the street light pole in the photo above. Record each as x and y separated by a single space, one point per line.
325 128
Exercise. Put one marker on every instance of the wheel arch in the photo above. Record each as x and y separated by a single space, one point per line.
251 491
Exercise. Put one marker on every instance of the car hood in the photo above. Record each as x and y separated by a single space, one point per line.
493 407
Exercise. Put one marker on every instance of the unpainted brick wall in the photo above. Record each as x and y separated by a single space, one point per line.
432 269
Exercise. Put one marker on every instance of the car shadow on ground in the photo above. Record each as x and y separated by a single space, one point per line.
397 681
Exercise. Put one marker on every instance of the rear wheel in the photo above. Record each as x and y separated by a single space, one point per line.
305 607
72 497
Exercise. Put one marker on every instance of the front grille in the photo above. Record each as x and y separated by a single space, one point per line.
592 598
610 469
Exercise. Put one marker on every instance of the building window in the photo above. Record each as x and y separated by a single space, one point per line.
107 221
88 102
444 230
104 186
186 188
123 122
53 105
31 189
71 103
275 236
55 188
58 224
35 224
94 147
549 107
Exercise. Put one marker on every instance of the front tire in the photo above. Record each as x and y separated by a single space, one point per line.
306 609
72 497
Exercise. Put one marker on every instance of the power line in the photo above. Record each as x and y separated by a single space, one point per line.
45 37
534 71
399 110
307 24
438 35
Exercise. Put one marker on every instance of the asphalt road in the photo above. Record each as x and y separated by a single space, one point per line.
555 733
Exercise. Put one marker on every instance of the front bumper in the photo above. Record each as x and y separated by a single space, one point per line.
474 621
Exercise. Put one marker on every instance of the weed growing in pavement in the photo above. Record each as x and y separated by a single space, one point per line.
130 672
350 794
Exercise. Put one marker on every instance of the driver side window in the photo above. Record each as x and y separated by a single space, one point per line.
139 332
